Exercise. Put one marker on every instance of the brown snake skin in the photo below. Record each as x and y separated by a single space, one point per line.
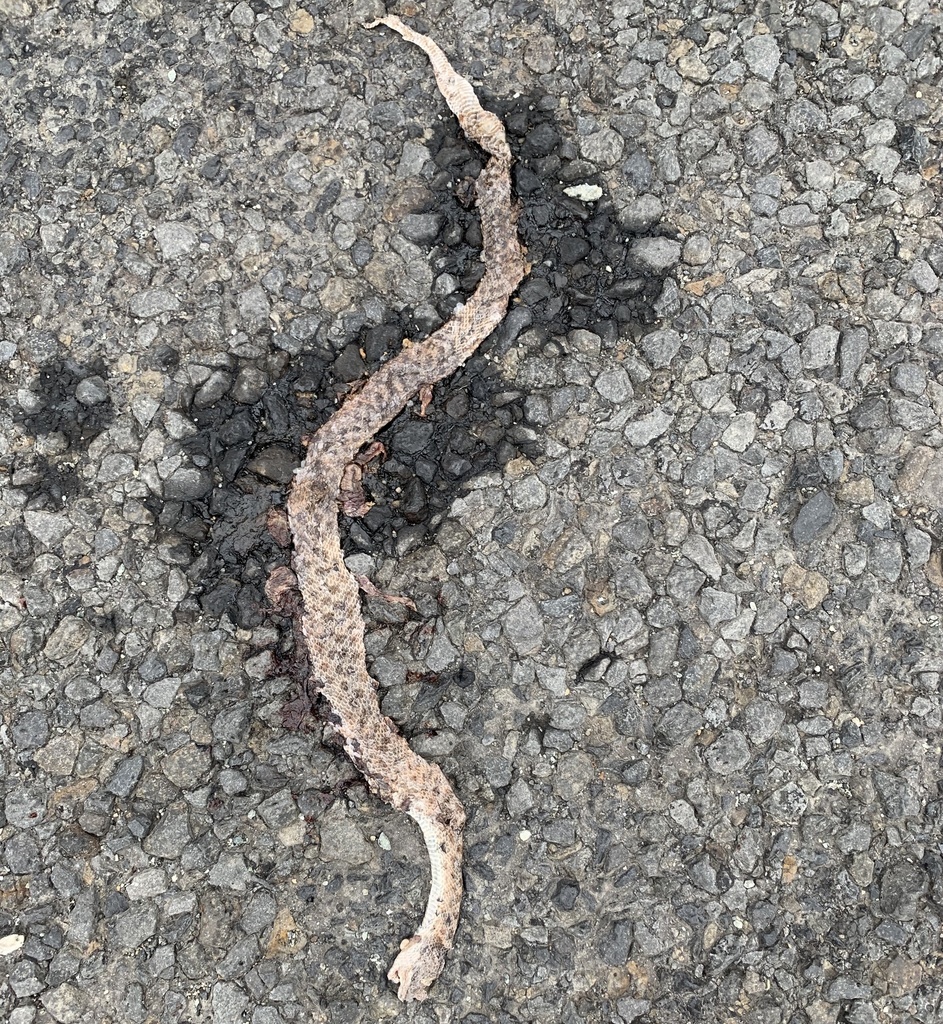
331 621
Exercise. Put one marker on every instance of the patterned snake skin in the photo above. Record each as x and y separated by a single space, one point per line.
331 620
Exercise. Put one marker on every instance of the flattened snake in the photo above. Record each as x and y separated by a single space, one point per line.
332 625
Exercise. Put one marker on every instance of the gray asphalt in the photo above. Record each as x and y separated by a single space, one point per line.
673 536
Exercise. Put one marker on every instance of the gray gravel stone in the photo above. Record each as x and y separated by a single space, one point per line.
909 378
729 753
250 385
631 1009
187 484
921 477
152 668
232 724
819 348
912 416
886 559
660 347
699 550
806 39
643 213
815 517
213 389
134 927
717 606
761 146
697 250
762 720
228 1003
529 493
24 982
67 639
170 835
680 723
919 546
125 776
21 855
616 943
497 771
645 429
232 781
254 308
852 350
147 883
343 841
523 626
91 390
30 730
845 988
66 1003
520 799
788 802
239 959
422 228
881 161
175 239
762 56
614 385
278 810
656 254
902 883
242 15
153 302
741 432
924 277
230 872
187 767
13 253
47 527
603 148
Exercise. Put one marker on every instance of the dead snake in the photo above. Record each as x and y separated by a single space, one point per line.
332 625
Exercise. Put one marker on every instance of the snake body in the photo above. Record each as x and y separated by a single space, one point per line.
331 620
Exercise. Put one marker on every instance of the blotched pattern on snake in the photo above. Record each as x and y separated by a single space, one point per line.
332 625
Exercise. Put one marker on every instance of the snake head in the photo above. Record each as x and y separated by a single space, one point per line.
419 962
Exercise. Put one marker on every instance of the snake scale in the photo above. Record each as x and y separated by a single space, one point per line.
331 620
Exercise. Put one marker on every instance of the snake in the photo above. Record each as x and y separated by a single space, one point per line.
332 625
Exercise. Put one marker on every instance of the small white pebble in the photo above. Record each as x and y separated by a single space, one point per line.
383 842
524 835
10 944
585 193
